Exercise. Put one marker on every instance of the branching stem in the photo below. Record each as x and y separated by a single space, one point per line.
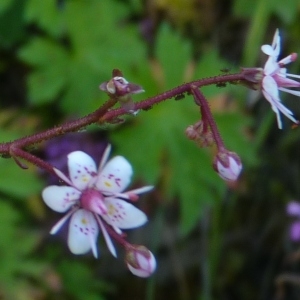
18 148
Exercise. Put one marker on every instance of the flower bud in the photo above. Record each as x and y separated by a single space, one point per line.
228 165
120 88
140 261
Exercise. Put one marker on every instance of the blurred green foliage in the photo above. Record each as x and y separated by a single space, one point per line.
54 55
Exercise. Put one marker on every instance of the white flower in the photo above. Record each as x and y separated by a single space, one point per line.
95 199
275 79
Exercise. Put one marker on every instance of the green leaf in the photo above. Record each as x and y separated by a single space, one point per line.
15 246
16 182
79 281
42 52
173 54
12 27
46 14
4 5
244 8
287 12
44 85
50 76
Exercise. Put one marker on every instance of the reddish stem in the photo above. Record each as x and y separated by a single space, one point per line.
180 90
207 116
14 148
103 114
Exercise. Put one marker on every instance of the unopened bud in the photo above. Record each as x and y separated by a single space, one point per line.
140 261
120 88
228 165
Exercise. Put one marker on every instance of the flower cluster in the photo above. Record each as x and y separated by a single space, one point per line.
95 199
275 79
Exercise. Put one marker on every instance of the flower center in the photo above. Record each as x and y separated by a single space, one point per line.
92 200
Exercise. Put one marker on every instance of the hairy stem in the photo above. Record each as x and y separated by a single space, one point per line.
178 91
104 114
201 101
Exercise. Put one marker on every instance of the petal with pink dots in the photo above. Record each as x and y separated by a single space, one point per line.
115 176
60 198
122 214
83 232
82 169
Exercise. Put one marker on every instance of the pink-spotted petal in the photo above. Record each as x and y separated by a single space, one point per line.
123 215
83 232
82 169
60 198
115 176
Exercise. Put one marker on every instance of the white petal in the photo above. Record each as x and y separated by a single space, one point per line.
123 215
83 232
104 157
62 176
271 66
60 198
107 238
296 93
267 49
115 176
292 75
270 86
270 91
274 108
62 221
142 190
132 194
82 169
276 43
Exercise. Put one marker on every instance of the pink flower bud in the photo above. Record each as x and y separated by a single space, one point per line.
228 165
120 88
140 261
